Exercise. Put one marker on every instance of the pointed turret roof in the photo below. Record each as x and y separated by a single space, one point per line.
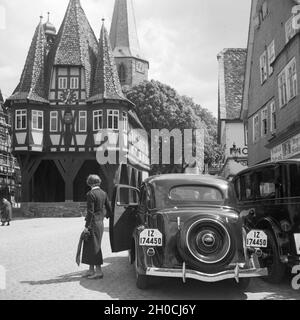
123 32
106 84
76 43
32 82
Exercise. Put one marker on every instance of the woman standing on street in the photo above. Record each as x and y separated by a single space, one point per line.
6 211
97 202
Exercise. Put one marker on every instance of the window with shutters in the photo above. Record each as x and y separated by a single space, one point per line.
255 128
264 122
289 30
263 67
273 125
271 56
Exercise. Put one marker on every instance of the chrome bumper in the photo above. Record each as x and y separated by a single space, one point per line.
236 274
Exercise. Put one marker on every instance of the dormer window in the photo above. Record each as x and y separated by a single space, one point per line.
68 85
74 83
62 83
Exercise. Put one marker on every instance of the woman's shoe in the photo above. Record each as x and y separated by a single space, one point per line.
96 276
88 274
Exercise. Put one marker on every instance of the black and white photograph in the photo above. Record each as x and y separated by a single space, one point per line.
149 151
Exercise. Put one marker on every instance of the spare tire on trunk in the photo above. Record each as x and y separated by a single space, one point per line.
206 244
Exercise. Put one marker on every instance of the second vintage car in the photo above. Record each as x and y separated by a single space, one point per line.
184 226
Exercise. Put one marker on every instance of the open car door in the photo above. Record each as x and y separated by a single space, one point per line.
124 205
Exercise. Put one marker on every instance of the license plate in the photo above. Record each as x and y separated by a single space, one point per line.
297 241
151 238
257 239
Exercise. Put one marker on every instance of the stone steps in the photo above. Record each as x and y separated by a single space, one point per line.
50 210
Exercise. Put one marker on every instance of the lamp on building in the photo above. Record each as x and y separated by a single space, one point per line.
234 152
239 155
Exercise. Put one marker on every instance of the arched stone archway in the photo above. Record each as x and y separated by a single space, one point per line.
47 184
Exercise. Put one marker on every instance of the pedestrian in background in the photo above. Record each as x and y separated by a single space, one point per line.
98 207
6 211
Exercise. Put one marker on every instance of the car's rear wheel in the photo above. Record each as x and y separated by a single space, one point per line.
272 262
142 281
206 244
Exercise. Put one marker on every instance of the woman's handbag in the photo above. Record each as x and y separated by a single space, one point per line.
86 235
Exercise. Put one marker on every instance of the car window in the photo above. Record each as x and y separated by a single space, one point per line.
294 174
237 187
247 191
265 182
195 193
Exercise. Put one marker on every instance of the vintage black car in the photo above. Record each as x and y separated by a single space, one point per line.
269 200
183 226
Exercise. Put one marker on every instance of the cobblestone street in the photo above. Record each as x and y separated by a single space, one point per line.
39 256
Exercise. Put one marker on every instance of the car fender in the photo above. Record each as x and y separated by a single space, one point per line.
270 224
140 252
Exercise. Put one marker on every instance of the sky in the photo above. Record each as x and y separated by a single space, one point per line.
180 38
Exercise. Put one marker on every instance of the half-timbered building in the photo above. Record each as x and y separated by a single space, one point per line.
68 92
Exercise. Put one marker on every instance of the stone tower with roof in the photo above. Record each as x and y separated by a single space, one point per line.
232 67
68 92
132 66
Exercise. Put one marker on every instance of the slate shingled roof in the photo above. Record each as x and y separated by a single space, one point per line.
232 68
123 32
106 83
32 82
76 43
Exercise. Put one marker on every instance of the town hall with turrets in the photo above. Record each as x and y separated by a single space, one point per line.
70 89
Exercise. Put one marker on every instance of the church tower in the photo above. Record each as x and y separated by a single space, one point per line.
132 66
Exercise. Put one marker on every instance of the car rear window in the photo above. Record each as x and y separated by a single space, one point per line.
187 195
195 193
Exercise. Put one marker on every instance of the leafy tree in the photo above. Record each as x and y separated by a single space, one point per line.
159 106
213 151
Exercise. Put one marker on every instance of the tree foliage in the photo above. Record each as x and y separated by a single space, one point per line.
160 107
